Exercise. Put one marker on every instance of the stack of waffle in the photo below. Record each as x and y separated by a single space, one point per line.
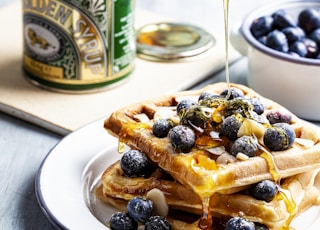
200 184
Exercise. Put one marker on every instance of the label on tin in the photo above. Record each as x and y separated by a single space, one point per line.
78 42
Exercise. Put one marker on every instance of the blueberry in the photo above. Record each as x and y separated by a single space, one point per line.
234 93
263 40
182 138
265 190
207 99
122 221
315 36
261 26
299 48
231 126
135 164
184 104
312 48
277 40
246 145
206 95
294 34
309 19
258 107
259 226
290 133
161 127
279 137
279 116
157 223
140 209
284 32
239 223
293 54
196 116
283 20
280 11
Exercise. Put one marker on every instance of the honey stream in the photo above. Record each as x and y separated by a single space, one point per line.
206 221
283 194
226 36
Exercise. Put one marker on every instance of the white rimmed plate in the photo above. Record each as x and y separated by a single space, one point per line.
68 175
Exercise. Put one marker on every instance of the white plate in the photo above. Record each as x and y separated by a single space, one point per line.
71 170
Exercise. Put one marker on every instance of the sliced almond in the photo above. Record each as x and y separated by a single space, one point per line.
250 127
160 205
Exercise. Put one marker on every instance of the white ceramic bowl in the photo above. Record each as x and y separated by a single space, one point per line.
291 81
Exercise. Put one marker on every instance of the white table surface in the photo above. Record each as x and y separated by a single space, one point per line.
23 145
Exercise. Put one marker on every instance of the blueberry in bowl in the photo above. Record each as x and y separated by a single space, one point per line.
288 34
281 41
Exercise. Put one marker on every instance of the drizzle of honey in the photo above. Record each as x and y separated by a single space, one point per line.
205 222
226 36
121 146
129 128
209 142
283 194
274 171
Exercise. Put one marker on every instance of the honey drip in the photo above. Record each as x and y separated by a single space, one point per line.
121 146
283 194
274 171
205 222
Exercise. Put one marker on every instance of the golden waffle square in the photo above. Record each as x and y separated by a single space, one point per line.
204 168
198 170
116 189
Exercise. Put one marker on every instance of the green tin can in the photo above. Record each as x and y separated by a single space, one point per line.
78 46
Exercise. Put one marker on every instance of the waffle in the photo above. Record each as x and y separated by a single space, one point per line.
202 172
117 189
138 135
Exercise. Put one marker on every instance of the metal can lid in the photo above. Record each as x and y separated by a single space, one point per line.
172 42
